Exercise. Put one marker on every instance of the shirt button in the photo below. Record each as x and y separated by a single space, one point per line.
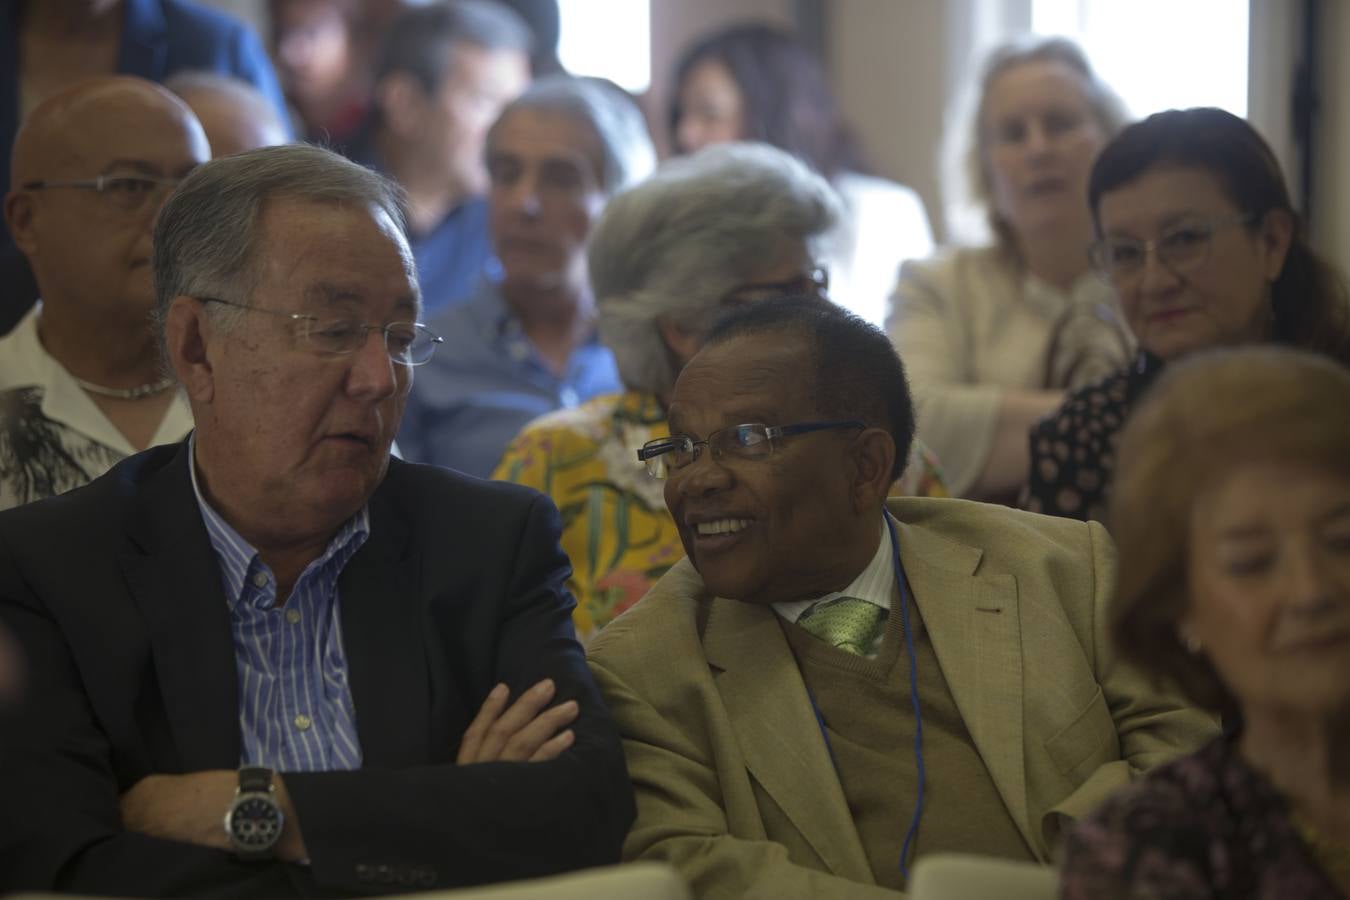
260 579
303 722
293 616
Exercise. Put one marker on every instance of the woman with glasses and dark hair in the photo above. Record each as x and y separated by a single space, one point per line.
755 82
1198 238
992 336
731 225
1232 521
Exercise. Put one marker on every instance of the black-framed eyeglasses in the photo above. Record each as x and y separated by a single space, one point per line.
407 343
750 441
812 283
127 192
1121 260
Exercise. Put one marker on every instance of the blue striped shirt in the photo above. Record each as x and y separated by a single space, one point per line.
295 706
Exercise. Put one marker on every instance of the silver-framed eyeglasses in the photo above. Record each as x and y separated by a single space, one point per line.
1121 260
126 192
407 343
750 441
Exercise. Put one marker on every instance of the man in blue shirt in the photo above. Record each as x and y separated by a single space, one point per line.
366 669
526 345
445 72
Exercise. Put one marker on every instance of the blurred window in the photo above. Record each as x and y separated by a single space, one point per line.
609 39
1159 54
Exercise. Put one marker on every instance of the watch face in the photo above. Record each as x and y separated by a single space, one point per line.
255 822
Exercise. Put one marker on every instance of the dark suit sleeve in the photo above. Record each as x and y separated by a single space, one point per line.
444 825
60 824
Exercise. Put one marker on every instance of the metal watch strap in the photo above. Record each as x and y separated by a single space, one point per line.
255 780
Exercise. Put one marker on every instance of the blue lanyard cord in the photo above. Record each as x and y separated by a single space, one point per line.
913 699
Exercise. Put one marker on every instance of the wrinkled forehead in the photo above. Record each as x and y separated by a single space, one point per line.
336 258
541 136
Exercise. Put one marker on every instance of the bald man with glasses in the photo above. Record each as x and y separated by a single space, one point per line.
286 664
80 380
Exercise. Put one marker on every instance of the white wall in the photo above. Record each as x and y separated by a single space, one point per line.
888 63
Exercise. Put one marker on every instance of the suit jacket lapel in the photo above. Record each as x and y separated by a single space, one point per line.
382 625
174 579
973 623
767 704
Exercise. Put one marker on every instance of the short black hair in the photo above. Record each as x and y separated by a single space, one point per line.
858 374
420 40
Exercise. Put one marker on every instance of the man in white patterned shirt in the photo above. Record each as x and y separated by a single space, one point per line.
81 385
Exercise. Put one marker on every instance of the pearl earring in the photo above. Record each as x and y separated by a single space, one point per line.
1190 642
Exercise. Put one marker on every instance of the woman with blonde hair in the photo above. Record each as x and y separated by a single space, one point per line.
1232 520
992 336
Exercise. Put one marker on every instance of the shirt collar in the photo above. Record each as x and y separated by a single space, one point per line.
875 584
237 557
24 362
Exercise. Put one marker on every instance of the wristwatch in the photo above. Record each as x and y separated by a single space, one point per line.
254 821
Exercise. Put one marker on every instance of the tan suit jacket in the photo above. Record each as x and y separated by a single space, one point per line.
734 782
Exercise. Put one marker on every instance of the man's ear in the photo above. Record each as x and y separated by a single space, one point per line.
873 454
186 332
19 214
402 103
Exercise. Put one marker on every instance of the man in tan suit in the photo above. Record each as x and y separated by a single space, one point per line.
833 685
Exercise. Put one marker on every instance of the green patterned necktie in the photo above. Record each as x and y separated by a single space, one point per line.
848 623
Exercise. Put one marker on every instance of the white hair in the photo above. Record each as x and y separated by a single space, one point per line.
678 243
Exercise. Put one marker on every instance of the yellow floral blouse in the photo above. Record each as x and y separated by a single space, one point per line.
615 527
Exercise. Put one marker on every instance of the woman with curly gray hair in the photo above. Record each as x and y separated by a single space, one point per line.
732 224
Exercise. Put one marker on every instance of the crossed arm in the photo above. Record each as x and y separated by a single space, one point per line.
189 808
82 816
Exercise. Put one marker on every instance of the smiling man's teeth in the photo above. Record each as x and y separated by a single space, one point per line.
722 526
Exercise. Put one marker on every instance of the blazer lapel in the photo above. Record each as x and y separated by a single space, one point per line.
174 578
767 704
973 623
381 607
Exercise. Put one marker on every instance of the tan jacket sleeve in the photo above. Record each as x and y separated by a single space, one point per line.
1153 725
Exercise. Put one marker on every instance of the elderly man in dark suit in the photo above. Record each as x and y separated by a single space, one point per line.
365 669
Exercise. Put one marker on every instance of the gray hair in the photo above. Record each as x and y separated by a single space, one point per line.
1105 104
678 243
607 110
206 237
421 41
